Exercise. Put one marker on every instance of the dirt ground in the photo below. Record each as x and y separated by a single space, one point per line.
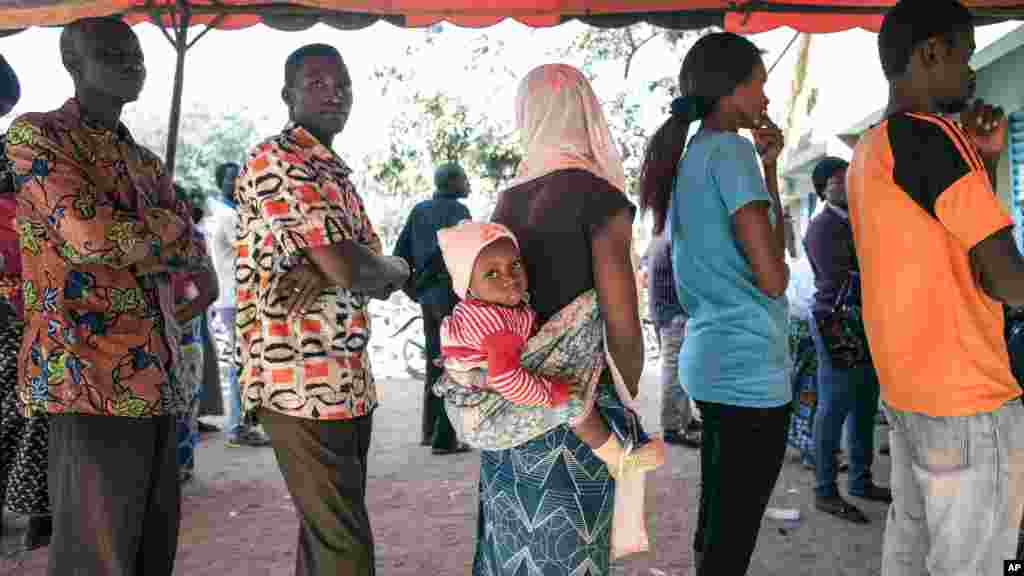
238 520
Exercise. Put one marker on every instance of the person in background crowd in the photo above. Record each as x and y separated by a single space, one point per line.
308 263
728 257
679 419
800 295
211 400
417 245
100 229
938 261
193 294
23 440
221 229
847 395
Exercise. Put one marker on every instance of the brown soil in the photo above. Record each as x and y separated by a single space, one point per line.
238 519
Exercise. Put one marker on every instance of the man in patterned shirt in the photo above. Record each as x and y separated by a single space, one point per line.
308 263
100 229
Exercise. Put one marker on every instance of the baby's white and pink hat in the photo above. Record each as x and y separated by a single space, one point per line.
461 244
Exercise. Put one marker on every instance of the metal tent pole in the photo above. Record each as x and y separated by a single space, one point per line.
180 20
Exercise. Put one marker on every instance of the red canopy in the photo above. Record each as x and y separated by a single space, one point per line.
744 16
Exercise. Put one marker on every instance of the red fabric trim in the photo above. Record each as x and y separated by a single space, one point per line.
482 13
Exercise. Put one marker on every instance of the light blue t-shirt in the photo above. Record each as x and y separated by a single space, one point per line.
736 346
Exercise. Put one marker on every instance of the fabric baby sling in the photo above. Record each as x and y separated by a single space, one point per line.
571 345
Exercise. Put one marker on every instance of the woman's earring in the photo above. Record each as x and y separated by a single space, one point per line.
526 297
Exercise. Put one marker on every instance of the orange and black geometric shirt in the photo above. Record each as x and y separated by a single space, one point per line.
920 199
295 193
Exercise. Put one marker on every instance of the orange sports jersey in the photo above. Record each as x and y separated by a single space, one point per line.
920 199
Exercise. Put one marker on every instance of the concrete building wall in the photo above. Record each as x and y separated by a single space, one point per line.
1000 84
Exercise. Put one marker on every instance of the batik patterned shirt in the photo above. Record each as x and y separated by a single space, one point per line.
294 193
99 230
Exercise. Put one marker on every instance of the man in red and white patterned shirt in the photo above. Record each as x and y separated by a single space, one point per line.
308 263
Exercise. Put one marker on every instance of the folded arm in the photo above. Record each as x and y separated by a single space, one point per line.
956 188
753 202
189 253
60 193
506 376
325 224
357 268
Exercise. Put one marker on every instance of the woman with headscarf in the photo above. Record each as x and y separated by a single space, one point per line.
574 225
728 243
23 441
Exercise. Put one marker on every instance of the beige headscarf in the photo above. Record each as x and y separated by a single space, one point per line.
561 126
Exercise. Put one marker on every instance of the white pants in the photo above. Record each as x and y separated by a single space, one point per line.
957 487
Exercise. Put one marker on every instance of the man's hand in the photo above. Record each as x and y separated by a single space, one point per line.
986 125
300 287
769 142
383 294
400 272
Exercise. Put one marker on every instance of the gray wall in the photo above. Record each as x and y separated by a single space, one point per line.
1001 83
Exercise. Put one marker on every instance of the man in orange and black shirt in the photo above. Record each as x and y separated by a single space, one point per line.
938 260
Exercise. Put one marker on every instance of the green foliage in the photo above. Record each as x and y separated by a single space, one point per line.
598 47
812 100
496 155
622 45
439 130
624 123
449 133
206 138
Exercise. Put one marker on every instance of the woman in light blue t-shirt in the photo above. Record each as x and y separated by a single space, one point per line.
728 256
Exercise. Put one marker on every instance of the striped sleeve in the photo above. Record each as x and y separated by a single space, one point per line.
497 334
520 387
937 165
505 372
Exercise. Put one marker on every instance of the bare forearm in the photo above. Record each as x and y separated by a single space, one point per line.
628 355
614 280
354 267
771 180
998 267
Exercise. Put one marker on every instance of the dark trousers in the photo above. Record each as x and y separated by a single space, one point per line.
115 496
324 464
211 401
437 429
740 459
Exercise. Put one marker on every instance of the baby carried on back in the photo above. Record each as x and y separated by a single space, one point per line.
506 381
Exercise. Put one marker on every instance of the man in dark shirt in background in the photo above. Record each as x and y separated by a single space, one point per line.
852 392
417 245
678 419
